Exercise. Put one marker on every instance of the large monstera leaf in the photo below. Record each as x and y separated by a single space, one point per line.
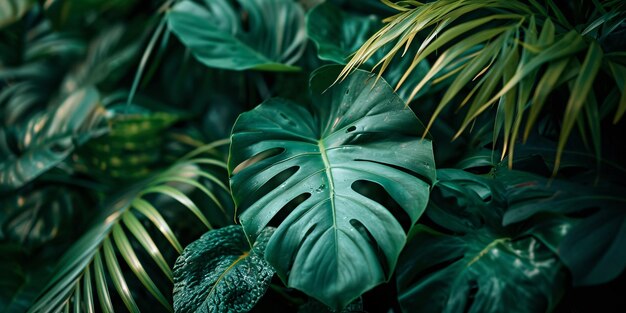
472 263
220 272
215 33
335 243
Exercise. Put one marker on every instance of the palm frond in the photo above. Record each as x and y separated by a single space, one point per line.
521 52
85 272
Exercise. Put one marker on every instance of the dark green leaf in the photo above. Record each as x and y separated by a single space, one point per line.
478 266
595 250
35 218
220 272
336 243
48 138
214 33
338 34
323 23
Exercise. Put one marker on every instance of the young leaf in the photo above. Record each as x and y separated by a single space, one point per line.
220 272
336 243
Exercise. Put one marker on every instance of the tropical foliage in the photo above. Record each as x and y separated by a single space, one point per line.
268 155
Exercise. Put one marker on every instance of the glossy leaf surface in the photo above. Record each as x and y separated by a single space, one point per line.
220 272
273 39
476 265
335 243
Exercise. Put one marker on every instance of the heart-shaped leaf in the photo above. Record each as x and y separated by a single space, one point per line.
273 37
477 265
220 272
300 167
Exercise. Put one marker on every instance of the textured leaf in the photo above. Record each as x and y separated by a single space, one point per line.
336 243
131 147
478 266
220 272
214 33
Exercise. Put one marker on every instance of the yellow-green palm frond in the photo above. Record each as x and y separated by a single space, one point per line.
83 274
511 54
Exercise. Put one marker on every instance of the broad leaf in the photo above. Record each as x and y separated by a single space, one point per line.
326 20
272 40
593 248
477 265
33 218
220 272
299 166
338 34
48 138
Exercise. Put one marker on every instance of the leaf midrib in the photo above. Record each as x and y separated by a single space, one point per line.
331 188
244 255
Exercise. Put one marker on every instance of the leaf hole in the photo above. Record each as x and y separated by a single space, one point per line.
351 129
402 169
258 158
287 209
270 185
305 238
373 243
471 295
377 193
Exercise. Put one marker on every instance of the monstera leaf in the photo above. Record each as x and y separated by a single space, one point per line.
338 34
220 272
299 167
34 218
477 265
48 138
594 248
273 37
